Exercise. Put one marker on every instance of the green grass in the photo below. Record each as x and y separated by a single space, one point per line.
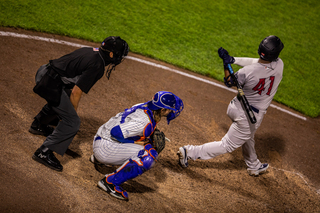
188 33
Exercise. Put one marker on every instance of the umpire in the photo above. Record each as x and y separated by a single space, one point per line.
61 82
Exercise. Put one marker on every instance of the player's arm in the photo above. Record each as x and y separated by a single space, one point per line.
227 59
75 96
228 81
117 134
131 135
243 61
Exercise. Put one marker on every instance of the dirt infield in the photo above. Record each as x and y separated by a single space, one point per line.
289 144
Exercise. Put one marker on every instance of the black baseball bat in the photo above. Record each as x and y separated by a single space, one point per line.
242 97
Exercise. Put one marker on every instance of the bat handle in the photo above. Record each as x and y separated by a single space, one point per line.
230 69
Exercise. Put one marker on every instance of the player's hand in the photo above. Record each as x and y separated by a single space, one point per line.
142 143
222 52
224 55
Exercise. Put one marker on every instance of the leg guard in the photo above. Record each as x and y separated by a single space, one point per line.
133 168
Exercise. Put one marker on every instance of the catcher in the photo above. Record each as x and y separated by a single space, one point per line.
130 140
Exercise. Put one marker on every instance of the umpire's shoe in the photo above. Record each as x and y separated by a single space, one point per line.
48 159
115 191
40 129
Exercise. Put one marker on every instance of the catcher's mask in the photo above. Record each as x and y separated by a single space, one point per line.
270 48
167 100
118 47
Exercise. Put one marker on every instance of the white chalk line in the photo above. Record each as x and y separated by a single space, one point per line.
162 67
301 176
2 33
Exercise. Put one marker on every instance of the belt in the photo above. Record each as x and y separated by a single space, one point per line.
252 107
97 138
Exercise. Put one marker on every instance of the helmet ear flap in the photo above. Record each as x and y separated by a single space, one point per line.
121 48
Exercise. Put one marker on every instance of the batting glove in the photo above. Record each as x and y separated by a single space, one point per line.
224 55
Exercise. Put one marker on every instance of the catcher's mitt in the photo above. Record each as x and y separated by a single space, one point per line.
158 140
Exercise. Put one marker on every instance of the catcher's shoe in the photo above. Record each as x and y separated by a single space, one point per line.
40 129
263 168
183 158
48 159
115 191
93 160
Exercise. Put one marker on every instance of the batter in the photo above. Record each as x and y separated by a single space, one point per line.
260 79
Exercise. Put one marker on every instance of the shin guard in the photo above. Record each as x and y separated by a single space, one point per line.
133 168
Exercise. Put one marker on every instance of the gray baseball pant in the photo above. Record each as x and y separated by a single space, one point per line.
69 124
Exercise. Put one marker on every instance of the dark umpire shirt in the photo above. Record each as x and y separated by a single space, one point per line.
82 67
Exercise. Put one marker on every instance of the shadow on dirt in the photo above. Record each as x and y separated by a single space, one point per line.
88 129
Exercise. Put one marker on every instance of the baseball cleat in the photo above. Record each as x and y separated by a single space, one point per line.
40 129
48 159
93 160
183 158
113 190
263 168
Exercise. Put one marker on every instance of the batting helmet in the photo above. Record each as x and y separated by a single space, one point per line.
118 46
167 100
270 48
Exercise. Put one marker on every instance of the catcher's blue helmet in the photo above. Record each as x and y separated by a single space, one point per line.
167 100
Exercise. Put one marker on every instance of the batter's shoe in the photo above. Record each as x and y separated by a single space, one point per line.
183 158
40 129
48 159
263 168
113 190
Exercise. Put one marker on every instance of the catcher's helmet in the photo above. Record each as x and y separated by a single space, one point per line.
118 46
167 100
161 100
270 48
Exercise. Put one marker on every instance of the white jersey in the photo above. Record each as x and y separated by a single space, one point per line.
134 125
108 150
260 81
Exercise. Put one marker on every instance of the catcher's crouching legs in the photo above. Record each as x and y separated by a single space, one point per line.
129 170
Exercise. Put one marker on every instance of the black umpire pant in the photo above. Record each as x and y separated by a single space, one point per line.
68 125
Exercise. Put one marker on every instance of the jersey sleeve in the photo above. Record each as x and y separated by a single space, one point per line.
90 77
118 135
243 61
136 127
133 129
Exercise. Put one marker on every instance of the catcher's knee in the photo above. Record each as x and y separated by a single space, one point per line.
149 157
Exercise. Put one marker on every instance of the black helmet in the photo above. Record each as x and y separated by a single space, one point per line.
118 46
270 48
